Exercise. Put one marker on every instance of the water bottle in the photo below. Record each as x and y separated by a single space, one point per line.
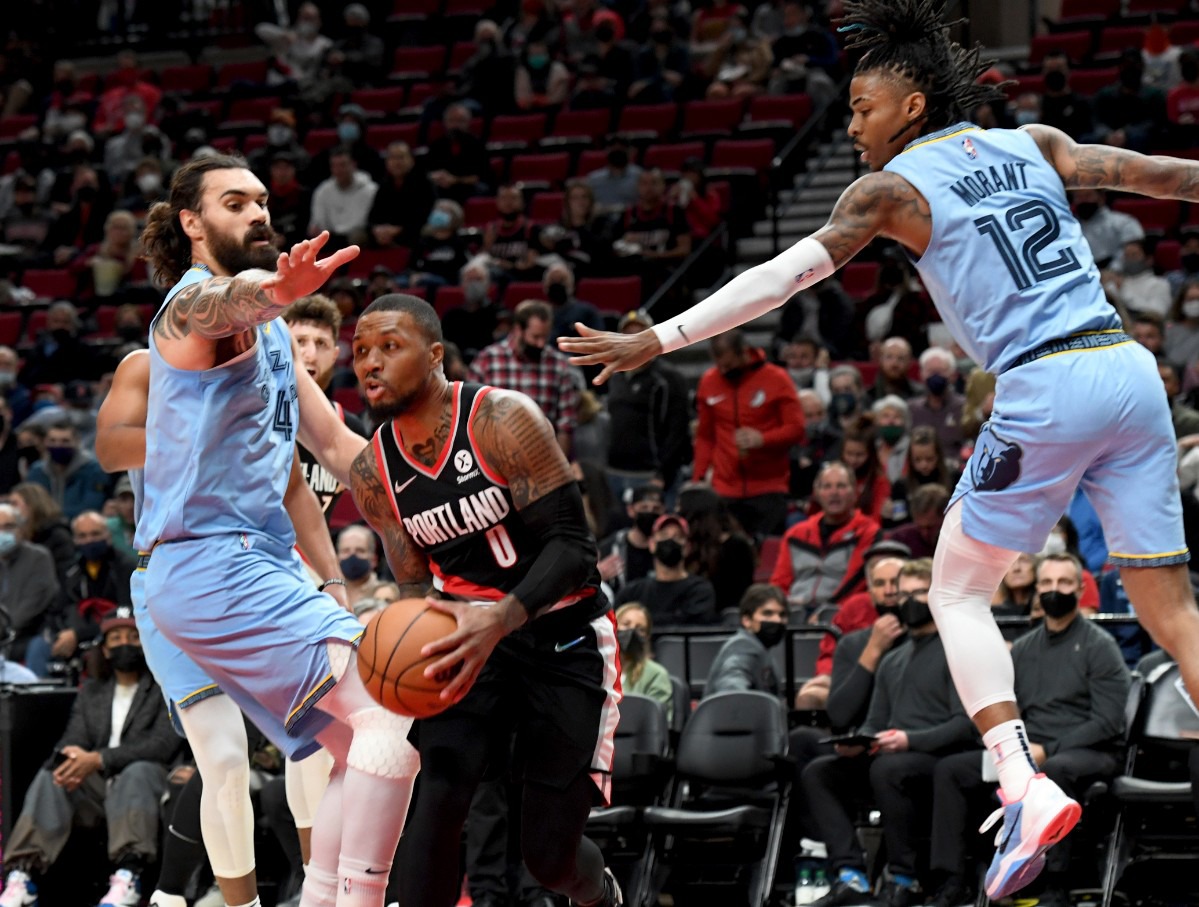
820 885
804 891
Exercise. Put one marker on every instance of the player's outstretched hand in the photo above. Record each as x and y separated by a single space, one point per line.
615 352
300 273
480 629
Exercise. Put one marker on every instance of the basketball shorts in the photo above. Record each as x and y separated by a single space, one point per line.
1094 417
243 609
182 681
558 688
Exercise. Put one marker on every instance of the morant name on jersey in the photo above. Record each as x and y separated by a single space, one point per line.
476 512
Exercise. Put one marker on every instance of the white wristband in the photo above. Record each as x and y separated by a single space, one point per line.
748 295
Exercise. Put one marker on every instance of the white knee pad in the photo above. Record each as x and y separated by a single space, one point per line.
339 657
380 746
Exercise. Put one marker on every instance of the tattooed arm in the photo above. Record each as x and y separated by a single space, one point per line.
1104 167
877 204
408 564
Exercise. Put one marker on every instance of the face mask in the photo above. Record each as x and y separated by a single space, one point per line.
149 183
61 455
509 216
440 219
802 376
8 542
937 384
1189 70
1133 268
1190 308
888 609
127 658
645 522
306 29
1131 79
1055 81
618 160
29 454
1190 262
842 405
538 61
891 433
135 121
1058 604
771 632
349 132
1086 210
914 613
354 567
532 353
556 293
72 121
1055 544
475 291
60 335
1027 117
278 134
7 378
734 374
605 33
662 37
632 643
86 194
94 551
668 552
863 470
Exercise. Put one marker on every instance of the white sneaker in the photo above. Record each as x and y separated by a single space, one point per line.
124 890
161 899
1031 825
19 891
212 898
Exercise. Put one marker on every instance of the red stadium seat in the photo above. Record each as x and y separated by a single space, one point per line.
546 207
252 71
524 128
671 157
547 168
209 109
617 294
252 110
1157 215
1114 41
13 125
1168 256
36 324
225 144
116 78
349 398
1076 45
479 211
12 162
1025 84
319 140
1083 11
1149 7
590 161
395 260
755 154
255 141
794 108
1088 81
520 290
768 555
380 100
465 8
859 278
50 283
413 61
106 320
10 328
448 298
1183 33
417 9
460 53
702 117
379 137
186 79
592 124
652 119
345 511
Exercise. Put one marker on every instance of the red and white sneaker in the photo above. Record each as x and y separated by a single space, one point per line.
19 891
124 890
1031 825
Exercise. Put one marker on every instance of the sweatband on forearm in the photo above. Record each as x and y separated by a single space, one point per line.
568 554
748 295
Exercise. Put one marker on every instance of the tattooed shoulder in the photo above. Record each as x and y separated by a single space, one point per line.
878 203
368 490
408 564
518 442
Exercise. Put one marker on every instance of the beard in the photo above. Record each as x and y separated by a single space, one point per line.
233 256
386 410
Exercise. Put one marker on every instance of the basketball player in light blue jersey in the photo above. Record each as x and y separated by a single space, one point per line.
984 216
222 580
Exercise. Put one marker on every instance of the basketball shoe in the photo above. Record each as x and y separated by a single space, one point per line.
1031 825
612 896
19 891
124 890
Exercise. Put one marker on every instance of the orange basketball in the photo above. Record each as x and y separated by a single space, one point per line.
390 663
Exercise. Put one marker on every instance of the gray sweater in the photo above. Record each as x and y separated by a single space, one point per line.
742 663
1071 686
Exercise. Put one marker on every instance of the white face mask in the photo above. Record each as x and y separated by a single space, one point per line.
135 121
149 182
1190 308
1055 544
278 134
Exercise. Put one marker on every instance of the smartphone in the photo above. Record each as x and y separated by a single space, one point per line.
59 758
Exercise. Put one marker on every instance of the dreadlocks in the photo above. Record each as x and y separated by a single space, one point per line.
909 39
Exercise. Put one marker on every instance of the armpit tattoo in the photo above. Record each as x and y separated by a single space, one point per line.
520 444
215 308
866 208
408 564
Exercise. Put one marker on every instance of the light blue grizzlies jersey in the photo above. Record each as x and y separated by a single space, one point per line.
220 442
1007 265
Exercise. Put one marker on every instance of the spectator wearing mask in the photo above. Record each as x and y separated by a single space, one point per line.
926 465
81 221
822 560
846 395
614 186
744 662
357 59
28 574
1130 114
940 408
489 75
298 51
893 420
927 505
569 310
1071 687
508 240
1137 288
71 475
697 198
358 554
137 139
820 437
1182 332
524 362
670 594
121 521
472 324
541 81
59 355
342 203
915 718
1062 107
806 361
654 235
1188 269
10 454
662 67
804 54
1107 232
280 139
626 552
351 134
441 252
640 674
457 161
721 550
579 237
749 418
403 202
148 187
291 201
111 267
111 761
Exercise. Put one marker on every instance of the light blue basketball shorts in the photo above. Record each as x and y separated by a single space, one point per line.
242 608
1096 417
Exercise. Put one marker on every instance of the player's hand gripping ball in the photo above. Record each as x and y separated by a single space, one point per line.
390 663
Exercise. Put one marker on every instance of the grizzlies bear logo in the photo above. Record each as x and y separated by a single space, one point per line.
996 462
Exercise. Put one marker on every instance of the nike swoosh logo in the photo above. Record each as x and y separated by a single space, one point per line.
684 333
1011 831
374 872
563 646
400 488
712 401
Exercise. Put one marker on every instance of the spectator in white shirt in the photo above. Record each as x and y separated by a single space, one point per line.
342 203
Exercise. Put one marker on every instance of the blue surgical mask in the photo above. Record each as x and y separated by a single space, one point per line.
440 219
349 132
8 541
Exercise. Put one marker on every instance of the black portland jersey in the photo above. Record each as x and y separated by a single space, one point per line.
461 514
322 482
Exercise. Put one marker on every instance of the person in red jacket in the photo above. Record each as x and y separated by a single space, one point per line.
823 559
749 418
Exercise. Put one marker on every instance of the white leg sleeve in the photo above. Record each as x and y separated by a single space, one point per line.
217 734
966 574
306 781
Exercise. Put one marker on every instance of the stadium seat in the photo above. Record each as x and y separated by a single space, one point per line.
255 141
650 120
1114 41
1076 45
1184 33
1084 11
551 168
395 260
10 328
448 298
591 124
414 8
380 100
1167 256
755 154
474 8
12 163
379 137
14 124
794 108
546 207
345 511
106 320
478 211
251 110
437 127
186 79
590 161
225 144
50 283
1154 7
1088 81
859 278
520 290
1157 215
460 53
711 117
418 61
116 78
37 324
523 128
671 157
319 140
613 294
419 92
350 399
768 555
252 72
1024 84
209 109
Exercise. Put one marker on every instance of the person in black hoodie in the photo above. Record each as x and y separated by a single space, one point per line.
673 597
403 202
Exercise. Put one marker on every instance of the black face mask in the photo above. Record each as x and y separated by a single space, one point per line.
86 193
1190 262
127 658
60 335
354 567
1055 81
842 405
771 633
734 374
1086 210
662 37
914 613
1131 78
632 644
668 552
645 522
937 384
605 33
618 159
1189 70
889 609
556 294
532 353
509 216
1058 604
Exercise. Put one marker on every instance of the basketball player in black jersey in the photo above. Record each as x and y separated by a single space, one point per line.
473 497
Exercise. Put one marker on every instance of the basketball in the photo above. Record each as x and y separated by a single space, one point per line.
390 663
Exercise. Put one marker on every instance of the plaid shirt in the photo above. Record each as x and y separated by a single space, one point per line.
551 383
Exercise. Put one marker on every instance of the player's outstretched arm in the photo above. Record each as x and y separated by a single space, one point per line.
326 437
408 564
1104 167
865 210
225 306
312 535
121 422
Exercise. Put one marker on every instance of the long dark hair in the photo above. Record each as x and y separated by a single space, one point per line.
909 38
709 521
926 435
165 246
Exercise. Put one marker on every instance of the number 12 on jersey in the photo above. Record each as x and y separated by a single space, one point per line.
1027 265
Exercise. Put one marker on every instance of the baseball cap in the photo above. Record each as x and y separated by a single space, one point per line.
123 486
888 548
644 492
667 518
637 316
122 616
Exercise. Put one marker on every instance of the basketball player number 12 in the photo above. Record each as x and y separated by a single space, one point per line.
1028 260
